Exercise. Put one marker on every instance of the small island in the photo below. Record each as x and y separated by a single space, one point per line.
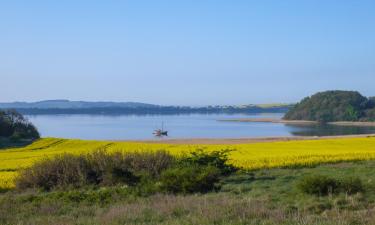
343 108
333 106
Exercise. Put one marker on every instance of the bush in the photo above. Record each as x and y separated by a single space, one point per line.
96 168
151 163
60 171
217 159
318 185
198 172
189 179
108 169
324 185
351 185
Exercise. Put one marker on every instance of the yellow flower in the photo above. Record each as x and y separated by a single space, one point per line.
247 156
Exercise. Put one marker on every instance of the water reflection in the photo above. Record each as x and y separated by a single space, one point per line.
328 130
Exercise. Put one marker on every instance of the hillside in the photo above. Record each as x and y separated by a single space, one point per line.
83 107
331 106
66 104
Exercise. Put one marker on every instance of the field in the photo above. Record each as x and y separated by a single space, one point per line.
252 156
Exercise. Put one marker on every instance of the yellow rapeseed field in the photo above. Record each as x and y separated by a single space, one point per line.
247 156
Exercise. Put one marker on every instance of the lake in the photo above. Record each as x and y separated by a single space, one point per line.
132 127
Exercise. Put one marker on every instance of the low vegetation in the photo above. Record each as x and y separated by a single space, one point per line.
266 196
156 171
331 106
324 185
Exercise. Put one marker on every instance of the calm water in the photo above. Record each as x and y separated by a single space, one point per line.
179 126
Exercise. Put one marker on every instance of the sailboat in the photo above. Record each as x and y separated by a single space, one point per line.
160 132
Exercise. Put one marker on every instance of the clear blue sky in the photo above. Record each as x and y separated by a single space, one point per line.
185 52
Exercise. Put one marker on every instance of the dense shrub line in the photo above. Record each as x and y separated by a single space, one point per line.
324 185
154 171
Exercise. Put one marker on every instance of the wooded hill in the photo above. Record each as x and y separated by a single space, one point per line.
331 106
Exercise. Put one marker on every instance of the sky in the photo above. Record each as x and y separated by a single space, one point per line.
185 52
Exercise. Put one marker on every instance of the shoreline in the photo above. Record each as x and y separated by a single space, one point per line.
232 141
299 122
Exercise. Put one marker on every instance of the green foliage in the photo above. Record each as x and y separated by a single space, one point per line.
217 159
198 172
371 102
370 114
190 179
332 106
351 185
16 127
318 185
324 185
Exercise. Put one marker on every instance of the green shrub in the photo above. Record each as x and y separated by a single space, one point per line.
189 179
351 185
199 171
217 159
318 185
323 185
151 163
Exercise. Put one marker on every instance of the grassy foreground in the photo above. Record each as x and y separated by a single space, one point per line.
267 196
247 156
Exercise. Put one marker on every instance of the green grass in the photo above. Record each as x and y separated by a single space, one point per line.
267 196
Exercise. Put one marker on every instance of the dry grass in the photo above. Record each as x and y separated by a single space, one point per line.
222 209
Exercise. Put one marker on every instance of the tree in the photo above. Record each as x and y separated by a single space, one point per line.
14 125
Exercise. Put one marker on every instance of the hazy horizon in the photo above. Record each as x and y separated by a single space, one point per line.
152 103
185 52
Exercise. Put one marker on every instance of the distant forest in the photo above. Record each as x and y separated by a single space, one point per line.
154 110
332 106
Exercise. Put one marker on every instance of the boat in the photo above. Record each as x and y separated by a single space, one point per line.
161 132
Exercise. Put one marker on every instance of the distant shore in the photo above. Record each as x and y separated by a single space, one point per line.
231 141
300 122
